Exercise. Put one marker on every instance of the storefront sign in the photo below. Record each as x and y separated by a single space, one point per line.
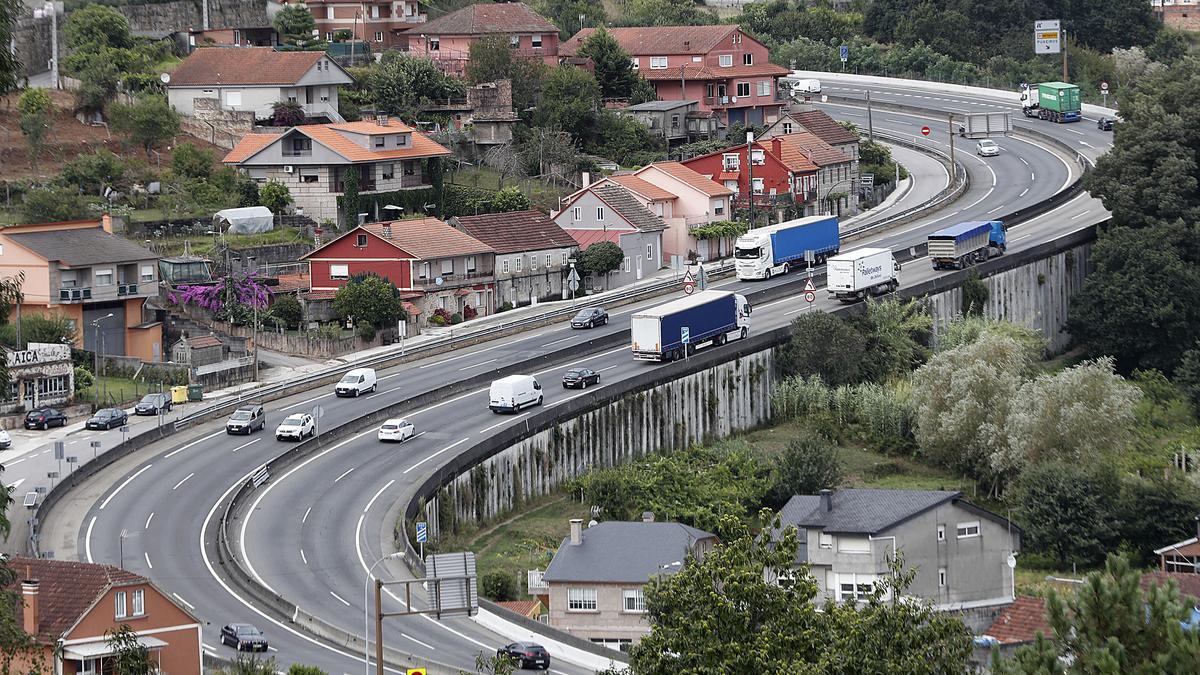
39 353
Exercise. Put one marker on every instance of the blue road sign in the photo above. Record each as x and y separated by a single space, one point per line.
845 49
685 334
422 533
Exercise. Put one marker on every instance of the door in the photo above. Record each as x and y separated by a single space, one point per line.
639 267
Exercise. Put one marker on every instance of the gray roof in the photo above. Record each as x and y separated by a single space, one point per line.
861 511
621 552
658 106
86 246
628 207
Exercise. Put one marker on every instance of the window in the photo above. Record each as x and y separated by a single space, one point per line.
301 145
787 127
633 599
409 166
448 267
599 213
581 599
736 39
719 207
649 251
479 298
941 533
147 272
514 41
726 60
548 259
708 90
577 213
536 41
764 87
387 171
520 262
825 540
424 271
504 266
87 667
139 602
966 530
731 162
119 600
637 64
329 12
758 157
360 241
329 34
104 277
55 385
658 63
309 176
339 271
617 644
626 265
697 59
757 186
233 98
854 586
941 577
470 264
379 36
732 185
532 263
435 44
747 59
380 141
853 544
743 88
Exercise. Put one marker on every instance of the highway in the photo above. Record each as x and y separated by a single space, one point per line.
311 534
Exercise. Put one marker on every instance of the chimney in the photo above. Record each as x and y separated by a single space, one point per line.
587 179
827 500
776 147
387 230
381 120
576 531
106 223
29 592
647 516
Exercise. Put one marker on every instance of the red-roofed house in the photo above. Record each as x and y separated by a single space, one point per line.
776 178
608 211
385 24
720 66
1020 622
313 160
433 265
531 253
837 174
68 607
448 39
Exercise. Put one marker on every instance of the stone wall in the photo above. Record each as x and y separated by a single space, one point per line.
222 128
31 43
169 17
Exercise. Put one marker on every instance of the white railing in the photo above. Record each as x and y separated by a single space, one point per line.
536 582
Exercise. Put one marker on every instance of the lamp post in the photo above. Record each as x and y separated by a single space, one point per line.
367 616
97 364
254 327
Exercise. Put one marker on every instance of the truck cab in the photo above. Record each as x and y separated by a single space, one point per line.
752 255
998 238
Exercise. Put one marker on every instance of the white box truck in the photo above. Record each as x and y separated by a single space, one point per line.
866 271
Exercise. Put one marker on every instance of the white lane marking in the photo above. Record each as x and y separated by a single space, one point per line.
186 604
622 348
148 519
185 447
1023 192
148 563
1023 160
376 495
1032 176
304 402
549 344
87 540
994 210
500 424
340 598
476 365
302 558
305 518
347 473
608 368
456 443
1024 236
423 644
460 356
185 479
122 486
571 398
1075 132
1080 215
16 461
246 445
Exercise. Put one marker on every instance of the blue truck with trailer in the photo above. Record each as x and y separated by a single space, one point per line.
962 245
658 333
764 252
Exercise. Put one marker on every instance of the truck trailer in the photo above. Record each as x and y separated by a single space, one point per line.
764 252
962 245
867 271
1054 101
675 329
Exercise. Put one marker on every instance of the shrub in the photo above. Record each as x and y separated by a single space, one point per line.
498 586
456 319
366 331
505 307
288 310
436 320
83 380
810 463
469 313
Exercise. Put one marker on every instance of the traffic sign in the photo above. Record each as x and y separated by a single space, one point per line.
685 334
810 297
845 53
808 286
572 285
1103 86
1046 39
58 450
422 532
417 671
924 131
688 288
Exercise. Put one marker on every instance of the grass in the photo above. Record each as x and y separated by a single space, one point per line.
116 390
204 244
540 193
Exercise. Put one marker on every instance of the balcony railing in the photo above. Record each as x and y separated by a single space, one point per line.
74 294
127 289
456 279
536 582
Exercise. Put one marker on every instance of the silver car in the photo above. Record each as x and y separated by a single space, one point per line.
987 148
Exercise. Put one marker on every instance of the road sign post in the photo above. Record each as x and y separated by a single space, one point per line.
685 336
1104 92
95 449
573 282
844 52
422 536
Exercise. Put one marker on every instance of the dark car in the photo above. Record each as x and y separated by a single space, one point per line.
153 404
580 378
44 418
1105 123
107 418
590 318
243 637
528 654
246 419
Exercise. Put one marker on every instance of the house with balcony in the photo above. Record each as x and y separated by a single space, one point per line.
772 173
806 118
607 211
386 25
447 39
433 265
676 121
253 79
698 201
313 161
721 67
595 581
963 556
532 254
98 281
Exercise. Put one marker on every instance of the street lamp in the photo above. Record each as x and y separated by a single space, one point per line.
367 615
254 328
96 362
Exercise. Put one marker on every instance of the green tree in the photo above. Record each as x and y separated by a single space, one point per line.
1067 510
510 199
570 101
54 329
287 310
974 294
371 299
52 205
1153 510
35 108
498 586
98 82
665 13
825 345
11 295
300 669
601 258
625 140
149 121
896 333
130 657
967 329
189 161
1188 374
276 196
9 11
642 91
565 14
295 24
244 664
404 84
96 26
493 59
350 201
614 65
809 463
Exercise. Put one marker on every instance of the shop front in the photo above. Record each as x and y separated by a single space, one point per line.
40 375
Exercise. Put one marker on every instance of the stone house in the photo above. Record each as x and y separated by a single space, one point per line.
532 254
447 39
200 350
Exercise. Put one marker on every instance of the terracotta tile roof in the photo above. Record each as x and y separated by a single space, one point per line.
331 136
292 282
793 157
66 590
705 72
1189 584
427 238
202 341
629 208
245 66
371 127
657 40
1021 621
412 309
482 19
586 238
825 127
693 179
527 608
320 295
641 187
515 232
248 147
817 150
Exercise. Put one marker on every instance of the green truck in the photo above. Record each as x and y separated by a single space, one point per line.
1054 101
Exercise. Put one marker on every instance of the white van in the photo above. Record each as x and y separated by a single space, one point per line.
514 392
357 381
806 86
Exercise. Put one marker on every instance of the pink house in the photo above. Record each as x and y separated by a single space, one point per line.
447 40
722 67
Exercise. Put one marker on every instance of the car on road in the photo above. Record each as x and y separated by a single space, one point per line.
246 419
5 440
1105 123
357 381
987 148
153 404
397 429
296 427
590 318
580 378
44 418
107 418
510 394
526 654
243 637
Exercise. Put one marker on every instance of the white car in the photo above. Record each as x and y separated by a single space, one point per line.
5 440
397 429
987 148
296 427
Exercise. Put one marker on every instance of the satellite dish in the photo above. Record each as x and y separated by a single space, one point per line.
165 77
1012 561
439 281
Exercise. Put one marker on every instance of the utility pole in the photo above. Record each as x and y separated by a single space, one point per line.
1064 54
870 125
379 627
953 170
682 82
750 181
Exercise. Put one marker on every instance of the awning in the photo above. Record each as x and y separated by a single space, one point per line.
412 309
462 292
98 648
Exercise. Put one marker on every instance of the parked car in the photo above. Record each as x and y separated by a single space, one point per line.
296 427
527 654
153 404
107 418
243 637
355 382
590 318
44 418
5 440
987 148
397 429
246 419
580 378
